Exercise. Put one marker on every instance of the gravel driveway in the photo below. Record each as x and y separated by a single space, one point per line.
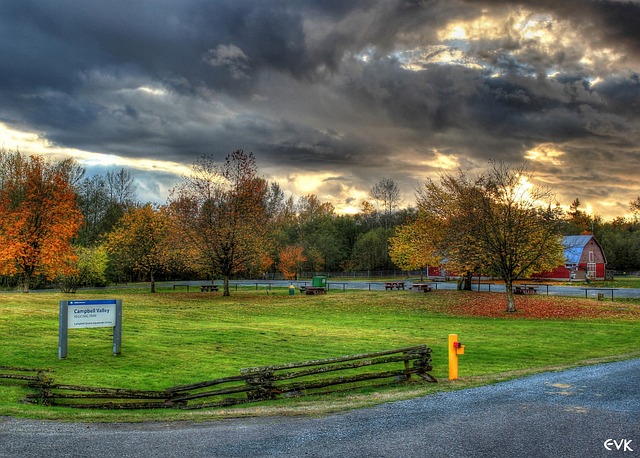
575 413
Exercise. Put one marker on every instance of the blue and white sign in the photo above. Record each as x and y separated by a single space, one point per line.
99 313
91 314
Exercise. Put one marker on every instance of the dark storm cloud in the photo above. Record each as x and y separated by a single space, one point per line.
620 24
614 22
359 89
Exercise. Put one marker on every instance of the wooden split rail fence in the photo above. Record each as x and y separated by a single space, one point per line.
23 374
251 385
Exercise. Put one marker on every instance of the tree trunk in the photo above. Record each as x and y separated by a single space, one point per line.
153 282
26 282
464 282
467 282
511 300
226 286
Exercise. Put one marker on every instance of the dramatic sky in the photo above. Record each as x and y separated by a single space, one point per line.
331 96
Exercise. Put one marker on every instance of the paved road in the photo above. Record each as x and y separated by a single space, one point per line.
559 414
336 284
552 290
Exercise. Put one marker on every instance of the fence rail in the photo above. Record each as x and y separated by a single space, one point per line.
251 385
23 373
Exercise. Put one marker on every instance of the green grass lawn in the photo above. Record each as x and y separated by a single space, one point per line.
628 281
172 338
621 282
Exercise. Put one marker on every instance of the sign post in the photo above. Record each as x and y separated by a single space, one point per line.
89 314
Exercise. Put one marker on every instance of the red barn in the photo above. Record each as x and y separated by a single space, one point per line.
583 257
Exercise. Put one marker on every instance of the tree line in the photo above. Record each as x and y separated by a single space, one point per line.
224 220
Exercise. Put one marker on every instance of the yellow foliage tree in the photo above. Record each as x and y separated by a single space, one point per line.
413 246
143 240
500 223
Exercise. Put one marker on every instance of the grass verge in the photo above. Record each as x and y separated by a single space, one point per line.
172 338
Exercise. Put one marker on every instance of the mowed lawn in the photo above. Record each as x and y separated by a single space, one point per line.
172 338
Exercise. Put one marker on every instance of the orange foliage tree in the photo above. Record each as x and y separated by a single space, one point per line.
38 217
291 259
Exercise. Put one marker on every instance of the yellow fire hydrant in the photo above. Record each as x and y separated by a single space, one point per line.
455 349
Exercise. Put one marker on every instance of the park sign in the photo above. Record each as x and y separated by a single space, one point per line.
100 313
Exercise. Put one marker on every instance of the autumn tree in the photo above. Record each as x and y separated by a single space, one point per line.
499 223
445 212
88 269
412 246
222 211
291 259
38 217
311 209
143 241
517 225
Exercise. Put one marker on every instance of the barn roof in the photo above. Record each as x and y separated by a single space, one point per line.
574 246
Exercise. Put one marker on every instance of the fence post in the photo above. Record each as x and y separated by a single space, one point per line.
407 368
262 385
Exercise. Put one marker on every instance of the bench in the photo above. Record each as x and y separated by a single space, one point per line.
179 286
525 290
394 285
208 288
421 287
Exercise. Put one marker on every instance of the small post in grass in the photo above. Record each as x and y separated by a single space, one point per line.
455 349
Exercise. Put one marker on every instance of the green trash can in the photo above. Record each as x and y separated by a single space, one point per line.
292 290
319 281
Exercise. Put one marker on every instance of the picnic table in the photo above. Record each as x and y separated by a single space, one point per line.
393 285
525 289
208 288
181 285
422 287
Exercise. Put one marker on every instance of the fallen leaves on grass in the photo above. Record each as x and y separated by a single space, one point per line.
537 307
